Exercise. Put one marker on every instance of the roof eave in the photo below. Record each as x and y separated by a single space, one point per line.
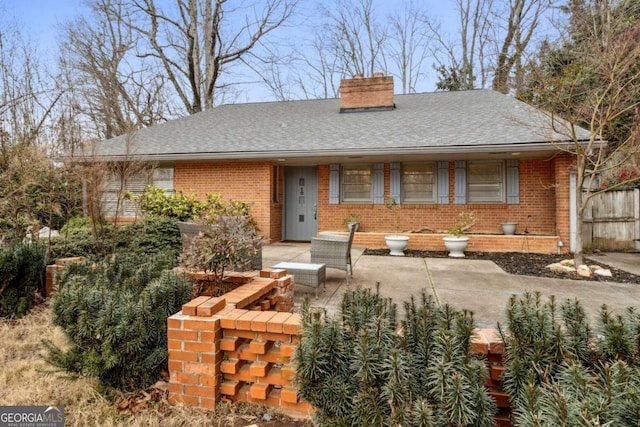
387 151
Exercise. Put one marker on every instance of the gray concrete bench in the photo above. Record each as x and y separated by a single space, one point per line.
306 274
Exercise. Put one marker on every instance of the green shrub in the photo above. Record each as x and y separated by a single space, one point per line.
72 242
560 371
363 368
180 207
148 236
22 268
114 313
155 202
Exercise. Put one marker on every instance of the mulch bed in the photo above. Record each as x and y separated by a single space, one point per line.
524 264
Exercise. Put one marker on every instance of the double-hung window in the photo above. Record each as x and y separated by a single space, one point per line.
486 181
419 182
356 184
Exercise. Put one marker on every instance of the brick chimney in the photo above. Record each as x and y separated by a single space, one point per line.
365 94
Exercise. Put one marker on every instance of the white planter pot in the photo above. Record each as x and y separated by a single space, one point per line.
456 245
353 224
397 244
509 228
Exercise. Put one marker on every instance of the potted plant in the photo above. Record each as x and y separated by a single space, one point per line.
455 241
396 243
509 228
353 219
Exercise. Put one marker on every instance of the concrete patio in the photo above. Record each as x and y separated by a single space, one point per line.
477 285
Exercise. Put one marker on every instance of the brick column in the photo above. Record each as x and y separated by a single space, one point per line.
194 359
563 164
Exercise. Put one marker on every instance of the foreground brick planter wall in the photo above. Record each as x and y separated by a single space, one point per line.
488 344
240 346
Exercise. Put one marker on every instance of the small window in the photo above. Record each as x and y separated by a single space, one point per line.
419 182
485 181
356 184
113 200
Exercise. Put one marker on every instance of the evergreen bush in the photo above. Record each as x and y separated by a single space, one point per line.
22 268
560 371
115 313
364 367
149 236
145 237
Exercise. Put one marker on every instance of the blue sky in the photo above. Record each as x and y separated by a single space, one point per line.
40 17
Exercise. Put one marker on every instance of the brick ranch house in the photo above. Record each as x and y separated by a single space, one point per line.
306 165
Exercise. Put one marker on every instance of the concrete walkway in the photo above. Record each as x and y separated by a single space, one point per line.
476 285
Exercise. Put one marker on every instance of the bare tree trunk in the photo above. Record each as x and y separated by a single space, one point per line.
198 43
523 21
463 61
408 45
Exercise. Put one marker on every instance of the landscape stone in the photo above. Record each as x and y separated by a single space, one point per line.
604 272
584 271
557 267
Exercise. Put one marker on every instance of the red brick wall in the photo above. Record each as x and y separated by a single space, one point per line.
245 181
537 198
563 164
543 207
370 92
237 347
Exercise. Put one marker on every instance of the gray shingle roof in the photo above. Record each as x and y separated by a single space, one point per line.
430 122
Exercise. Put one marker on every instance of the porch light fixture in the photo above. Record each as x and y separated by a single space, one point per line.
517 153
282 160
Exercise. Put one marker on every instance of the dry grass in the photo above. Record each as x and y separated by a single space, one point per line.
25 379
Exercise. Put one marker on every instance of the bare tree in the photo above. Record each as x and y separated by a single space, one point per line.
321 73
522 23
356 36
350 40
463 62
197 43
27 93
593 80
408 44
106 84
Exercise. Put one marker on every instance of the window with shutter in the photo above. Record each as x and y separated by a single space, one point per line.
485 181
356 184
419 182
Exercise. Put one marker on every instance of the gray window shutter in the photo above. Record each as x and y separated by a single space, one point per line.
460 182
378 183
513 182
443 182
394 181
334 184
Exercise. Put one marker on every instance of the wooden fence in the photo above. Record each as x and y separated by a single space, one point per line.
612 221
